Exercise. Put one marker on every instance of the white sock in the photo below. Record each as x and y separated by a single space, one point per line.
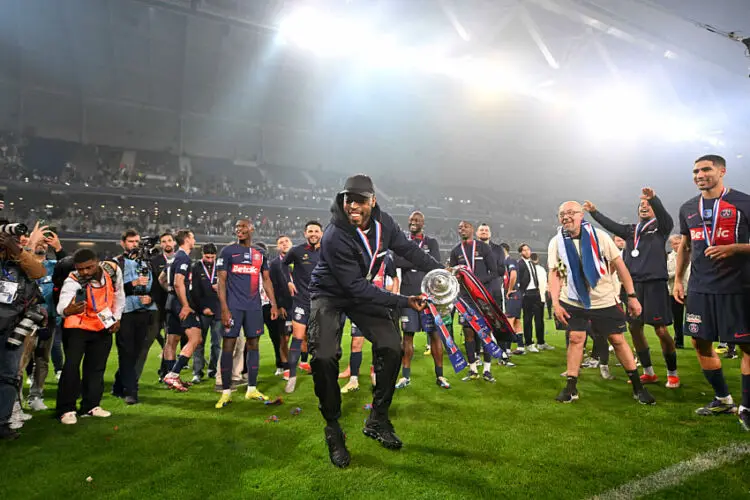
354 378
671 373
487 366
252 388
227 391
727 400
473 366
649 370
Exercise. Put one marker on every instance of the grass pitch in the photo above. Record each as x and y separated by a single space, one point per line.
476 440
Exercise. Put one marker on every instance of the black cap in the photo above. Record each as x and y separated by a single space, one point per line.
360 184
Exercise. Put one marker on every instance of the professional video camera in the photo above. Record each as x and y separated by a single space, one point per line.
15 229
146 249
31 321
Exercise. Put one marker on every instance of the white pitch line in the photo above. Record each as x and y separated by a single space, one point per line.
677 473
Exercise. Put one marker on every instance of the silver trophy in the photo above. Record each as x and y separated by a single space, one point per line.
441 288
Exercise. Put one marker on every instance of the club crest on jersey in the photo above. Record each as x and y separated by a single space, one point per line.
708 213
726 213
693 327
244 269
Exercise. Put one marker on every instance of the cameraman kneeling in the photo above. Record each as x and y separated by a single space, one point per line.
138 317
91 301
18 290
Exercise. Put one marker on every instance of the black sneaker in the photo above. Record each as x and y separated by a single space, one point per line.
337 451
567 396
744 415
644 397
716 407
8 434
131 400
487 376
731 354
383 432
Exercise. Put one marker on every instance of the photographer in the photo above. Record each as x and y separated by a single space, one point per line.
159 297
91 301
139 316
204 283
18 293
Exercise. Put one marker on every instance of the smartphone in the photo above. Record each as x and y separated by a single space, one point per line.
81 295
52 231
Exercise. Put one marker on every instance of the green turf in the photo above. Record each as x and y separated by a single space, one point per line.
480 440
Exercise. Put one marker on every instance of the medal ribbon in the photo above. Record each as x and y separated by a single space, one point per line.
639 231
710 235
368 248
210 275
421 240
454 353
479 325
473 250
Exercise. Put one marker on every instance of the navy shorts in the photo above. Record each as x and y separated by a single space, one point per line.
301 312
513 305
174 325
251 322
413 322
602 322
655 301
718 318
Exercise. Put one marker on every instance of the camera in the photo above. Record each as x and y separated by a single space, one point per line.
146 249
29 324
14 229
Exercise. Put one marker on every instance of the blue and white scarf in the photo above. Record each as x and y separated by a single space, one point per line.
584 270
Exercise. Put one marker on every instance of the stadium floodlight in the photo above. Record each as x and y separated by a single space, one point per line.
325 35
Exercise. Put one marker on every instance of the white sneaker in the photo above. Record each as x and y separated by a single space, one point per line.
196 379
604 371
29 381
37 404
403 383
545 347
532 348
69 418
291 385
278 373
58 374
99 412
19 413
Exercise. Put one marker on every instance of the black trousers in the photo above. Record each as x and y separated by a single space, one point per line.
93 348
678 315
130 339
275 331
533 315
379 325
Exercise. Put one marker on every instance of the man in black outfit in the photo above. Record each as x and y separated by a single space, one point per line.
645 256
283 324
532 301
352 248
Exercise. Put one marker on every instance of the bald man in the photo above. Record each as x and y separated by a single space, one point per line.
583 291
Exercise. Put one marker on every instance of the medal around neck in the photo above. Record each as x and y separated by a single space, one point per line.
635 253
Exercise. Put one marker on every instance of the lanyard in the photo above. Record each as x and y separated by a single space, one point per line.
639 231
473 249
368 248
90 291
710 235
421 240
212 274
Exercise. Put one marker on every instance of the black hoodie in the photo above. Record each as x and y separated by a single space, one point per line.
344 263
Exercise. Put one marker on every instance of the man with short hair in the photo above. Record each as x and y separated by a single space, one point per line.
205 283
243 269
301 259
181 315
715 243
283 324
479 258
646 259
137 317
583 294
411 320
92 300
512 302
531 302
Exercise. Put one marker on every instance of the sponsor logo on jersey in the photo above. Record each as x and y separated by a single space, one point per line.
244 269
696 234
693 318
183 267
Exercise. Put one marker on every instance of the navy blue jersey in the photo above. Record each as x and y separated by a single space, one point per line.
411 277
712 276
483 262
510 266
302 259
243 266
180 265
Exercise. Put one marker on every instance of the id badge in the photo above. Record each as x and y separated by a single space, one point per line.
8 290
106 317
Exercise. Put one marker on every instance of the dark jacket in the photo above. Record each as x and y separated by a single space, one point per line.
343 266
280 284
203 294
497 284
651 263
27 293
158 294
523 277
411 277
